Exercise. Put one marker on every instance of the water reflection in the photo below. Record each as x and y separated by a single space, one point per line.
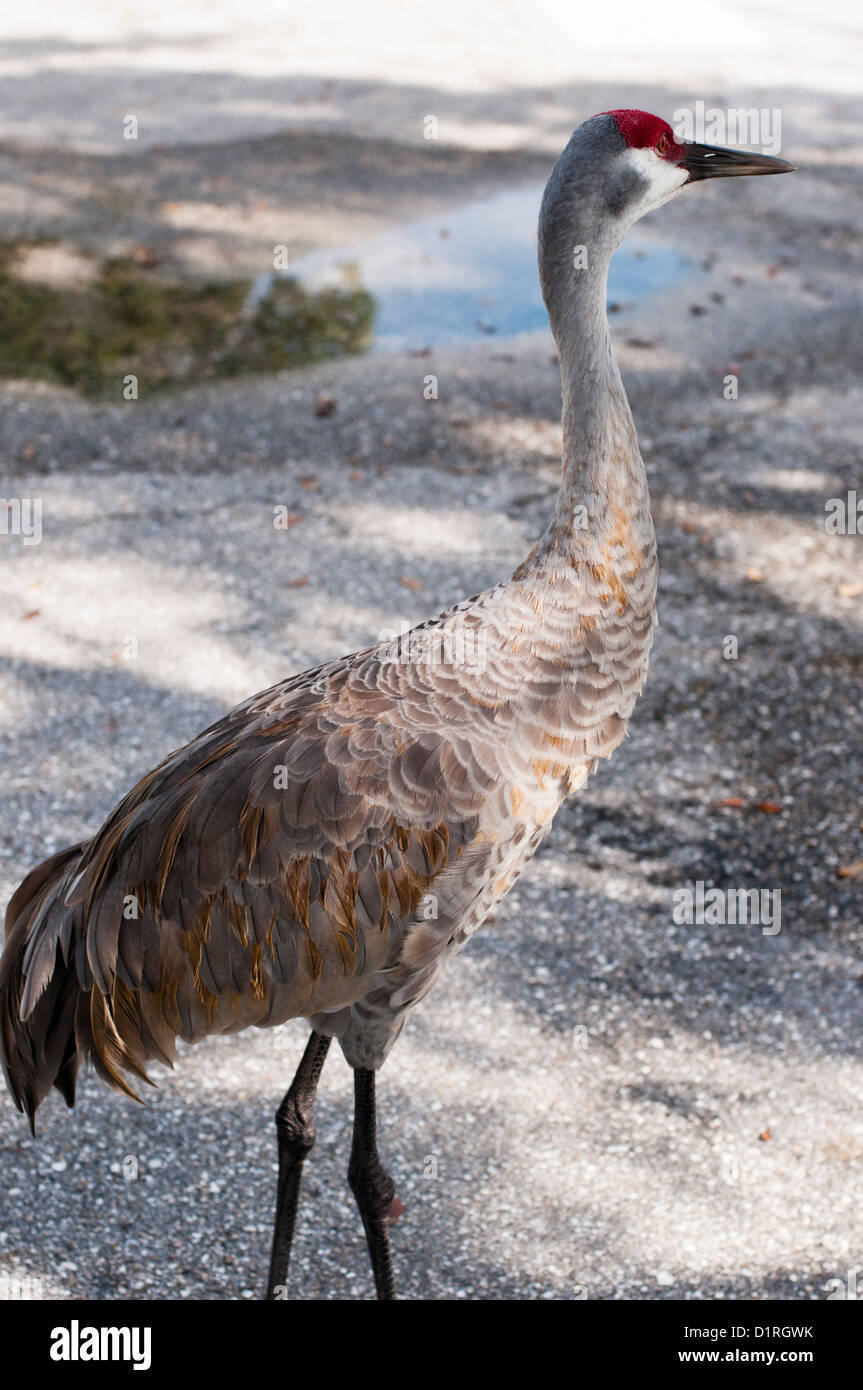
465 275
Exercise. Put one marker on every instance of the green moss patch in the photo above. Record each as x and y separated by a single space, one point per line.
129 320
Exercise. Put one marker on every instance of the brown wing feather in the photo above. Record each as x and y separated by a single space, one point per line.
263 870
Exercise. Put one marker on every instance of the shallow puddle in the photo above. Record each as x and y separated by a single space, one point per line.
468 274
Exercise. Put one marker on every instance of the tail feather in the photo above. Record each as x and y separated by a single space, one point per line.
109 1031
38 1045
52 1013
49 1019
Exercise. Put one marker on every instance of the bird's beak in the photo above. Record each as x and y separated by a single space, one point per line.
713 162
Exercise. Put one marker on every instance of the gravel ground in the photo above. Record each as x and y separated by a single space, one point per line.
594 1101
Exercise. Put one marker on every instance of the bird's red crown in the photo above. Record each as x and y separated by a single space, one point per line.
641 131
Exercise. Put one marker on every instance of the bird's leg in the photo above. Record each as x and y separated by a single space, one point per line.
295 1127
372 1185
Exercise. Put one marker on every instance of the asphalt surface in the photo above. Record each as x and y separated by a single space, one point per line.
595 1101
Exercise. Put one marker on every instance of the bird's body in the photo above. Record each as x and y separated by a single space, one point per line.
324 848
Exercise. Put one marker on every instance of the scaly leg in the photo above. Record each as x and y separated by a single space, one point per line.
372 1185
295 1127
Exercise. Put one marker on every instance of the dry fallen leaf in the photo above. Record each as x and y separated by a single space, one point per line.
765 1135
770 808
298 583
850 870
145 256
847 589
409 583
735 801
34 613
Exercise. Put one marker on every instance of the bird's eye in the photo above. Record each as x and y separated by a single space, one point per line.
662 144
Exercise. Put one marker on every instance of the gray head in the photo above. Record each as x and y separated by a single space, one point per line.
617 167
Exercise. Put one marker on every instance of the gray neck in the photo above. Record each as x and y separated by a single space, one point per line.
602 468
601 458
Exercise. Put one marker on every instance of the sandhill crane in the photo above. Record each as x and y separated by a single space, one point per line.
282 863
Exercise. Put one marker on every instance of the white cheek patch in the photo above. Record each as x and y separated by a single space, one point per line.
661 181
